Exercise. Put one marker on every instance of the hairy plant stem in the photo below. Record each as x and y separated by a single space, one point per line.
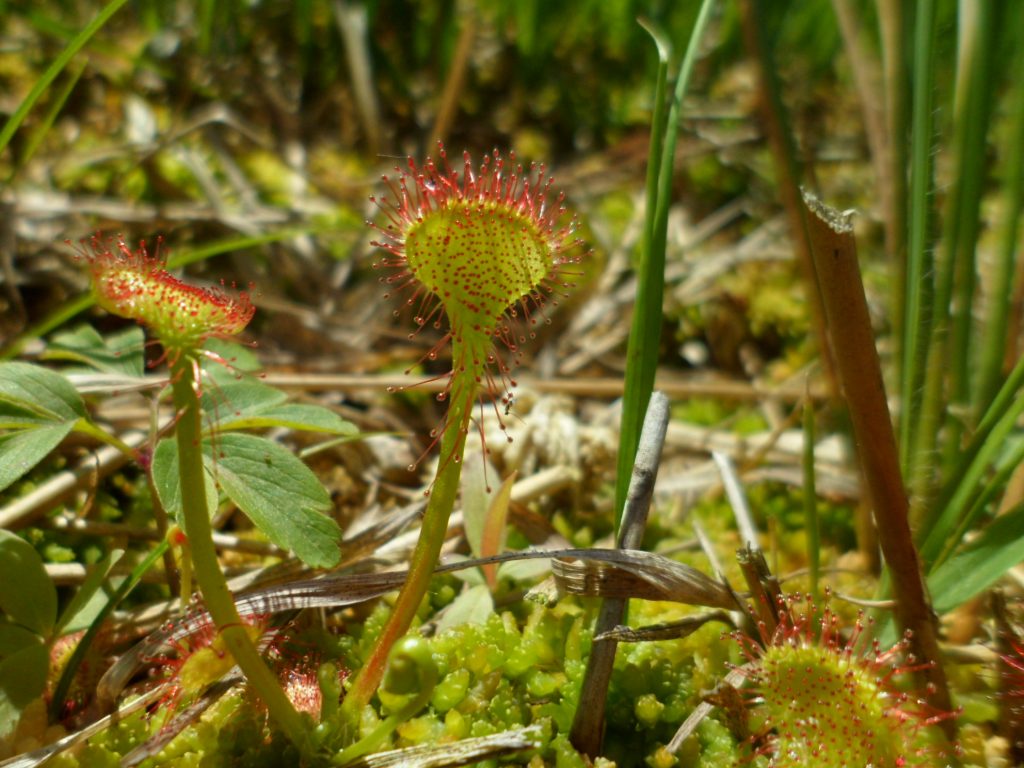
432 533
212 584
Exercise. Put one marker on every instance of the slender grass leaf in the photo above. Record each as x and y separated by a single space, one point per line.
919 275
639 356
84 606
55 69
962 497
40 132
27 594
810 499
645 332
981 564
999 305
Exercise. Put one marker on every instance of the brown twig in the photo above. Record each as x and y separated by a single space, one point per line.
588 723
846 309
456 77
787 170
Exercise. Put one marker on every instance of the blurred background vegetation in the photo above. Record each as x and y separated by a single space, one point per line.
204 121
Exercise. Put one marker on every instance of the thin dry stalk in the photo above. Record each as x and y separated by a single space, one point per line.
456 77
787 172
588 723
846 309
865 68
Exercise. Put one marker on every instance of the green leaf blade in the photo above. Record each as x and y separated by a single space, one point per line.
166 482
41 391
22 450
27 594
280 494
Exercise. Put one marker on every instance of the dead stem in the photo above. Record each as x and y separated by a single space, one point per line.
588 723
842 292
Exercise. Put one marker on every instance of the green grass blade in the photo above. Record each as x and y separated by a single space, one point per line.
999 547
916 323
78 655
941 536
976 98
634 403
51 115
58 65
645 332
811 500
1004 399
997 321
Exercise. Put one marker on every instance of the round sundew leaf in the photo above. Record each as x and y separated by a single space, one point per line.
811 694
478 258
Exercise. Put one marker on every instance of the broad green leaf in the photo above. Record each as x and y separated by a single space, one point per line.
22 450
249 404
14 637
22 680
166 483
41 391
238 399
27 594
280 495
119 353
983 562
299 416
19 416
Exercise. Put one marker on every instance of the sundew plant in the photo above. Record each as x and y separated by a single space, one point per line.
789 211
478 256
136 285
